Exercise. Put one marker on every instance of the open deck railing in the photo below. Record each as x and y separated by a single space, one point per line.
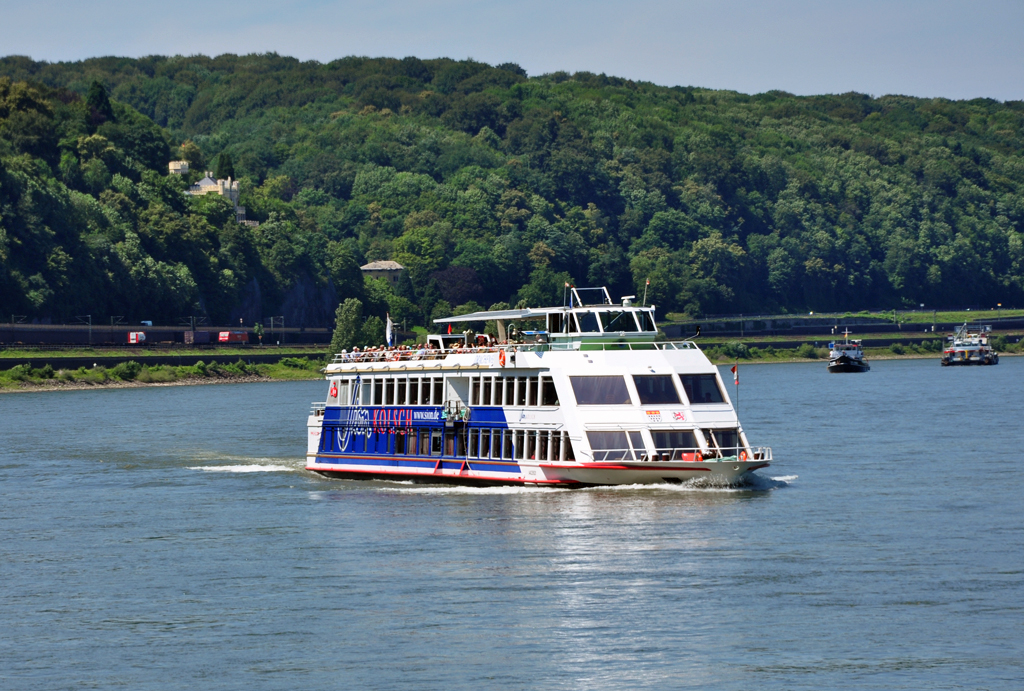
689 455
423 354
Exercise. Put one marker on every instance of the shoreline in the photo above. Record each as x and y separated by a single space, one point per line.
57 385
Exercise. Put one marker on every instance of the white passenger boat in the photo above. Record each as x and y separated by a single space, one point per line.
592 397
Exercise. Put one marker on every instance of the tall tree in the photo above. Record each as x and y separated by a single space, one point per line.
99 103
225 167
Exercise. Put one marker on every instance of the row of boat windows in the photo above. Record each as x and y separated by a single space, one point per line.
480 443
652 389
671 445
391 391
517 391
609 320
487 390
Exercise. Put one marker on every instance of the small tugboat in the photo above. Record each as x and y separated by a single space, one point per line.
847 356
970 346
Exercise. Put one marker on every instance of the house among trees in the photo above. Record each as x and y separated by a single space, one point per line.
225 188
178 167
388 270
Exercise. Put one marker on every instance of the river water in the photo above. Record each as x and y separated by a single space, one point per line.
167 538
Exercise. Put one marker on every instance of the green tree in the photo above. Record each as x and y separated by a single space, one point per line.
348 320
225 167
99 102
191 152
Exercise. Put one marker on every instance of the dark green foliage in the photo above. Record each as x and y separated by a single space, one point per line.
126 371
225 166
489 186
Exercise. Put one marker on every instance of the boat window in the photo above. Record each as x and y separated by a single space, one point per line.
435 442
725 440
701 388
399 444
548 395
521 391
425 442
367 393
587 322
414 391
474 391
508 445
555 323
618 321
534 390
636 440
498 390
600 390
401 392
655 388
438 396
485 443
609 446
485 392
646 321
569 455
674 443
519 445
474 443
531 445
378 391
544 446
449 444
410 443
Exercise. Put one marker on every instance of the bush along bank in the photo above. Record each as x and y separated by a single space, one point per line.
132 373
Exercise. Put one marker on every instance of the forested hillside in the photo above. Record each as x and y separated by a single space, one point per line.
490 187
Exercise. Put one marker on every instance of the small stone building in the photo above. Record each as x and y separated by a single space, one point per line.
225 188
178 167
388 270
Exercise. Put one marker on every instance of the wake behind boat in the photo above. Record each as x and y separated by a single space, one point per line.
592 398
847 356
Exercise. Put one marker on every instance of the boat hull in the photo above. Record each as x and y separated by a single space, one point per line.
474 472
992 359
845 364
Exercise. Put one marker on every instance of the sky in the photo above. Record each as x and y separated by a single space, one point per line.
930 48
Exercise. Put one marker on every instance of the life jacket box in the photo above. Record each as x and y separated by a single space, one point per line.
136 337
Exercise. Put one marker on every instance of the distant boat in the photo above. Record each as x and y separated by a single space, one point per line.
970 345
847 356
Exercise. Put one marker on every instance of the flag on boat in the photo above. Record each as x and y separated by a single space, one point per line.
449 328
735 375
389 331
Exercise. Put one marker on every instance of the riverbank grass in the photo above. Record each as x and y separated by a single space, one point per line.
288 368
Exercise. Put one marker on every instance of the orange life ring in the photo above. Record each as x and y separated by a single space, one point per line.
501 358
743 455
698 457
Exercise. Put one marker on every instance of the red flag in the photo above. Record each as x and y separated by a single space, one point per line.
735 374
449 328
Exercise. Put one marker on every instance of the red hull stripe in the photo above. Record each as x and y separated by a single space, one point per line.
440 475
